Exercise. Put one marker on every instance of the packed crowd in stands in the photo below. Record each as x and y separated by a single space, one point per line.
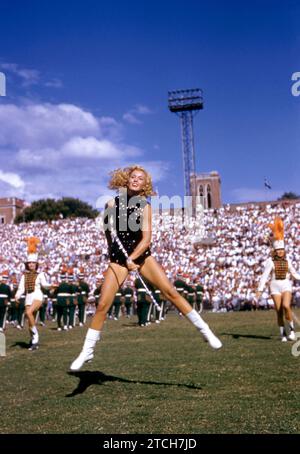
228 266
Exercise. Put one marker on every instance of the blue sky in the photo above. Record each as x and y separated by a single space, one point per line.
87 87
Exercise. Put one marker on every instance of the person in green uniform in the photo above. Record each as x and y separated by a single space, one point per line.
140 295
62 295
5 295
164 306
18 307
73 299
181 286
191 295
83 290
157 315
128 298
53 301
41 314
12 311
142 302
149 304
97 291
199 295
117 303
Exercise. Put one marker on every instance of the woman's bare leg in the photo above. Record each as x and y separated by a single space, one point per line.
114 278
30 312
286 303
279 311
154 273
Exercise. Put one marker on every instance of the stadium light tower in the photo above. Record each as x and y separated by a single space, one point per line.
186 103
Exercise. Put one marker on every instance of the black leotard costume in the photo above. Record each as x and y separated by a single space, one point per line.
127 216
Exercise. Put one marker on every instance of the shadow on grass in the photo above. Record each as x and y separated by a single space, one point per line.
248 336
88 378
21 345
131 325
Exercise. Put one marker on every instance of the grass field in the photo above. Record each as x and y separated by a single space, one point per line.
160 379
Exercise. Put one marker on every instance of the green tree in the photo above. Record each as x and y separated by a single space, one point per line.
51 209
289 196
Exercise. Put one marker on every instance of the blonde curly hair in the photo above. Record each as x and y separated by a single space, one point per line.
120 179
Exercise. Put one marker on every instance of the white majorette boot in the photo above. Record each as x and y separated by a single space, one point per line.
87 352
34 341
292 335
204 329
283 335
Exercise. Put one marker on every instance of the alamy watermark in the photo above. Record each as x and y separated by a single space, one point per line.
188 216
2 84
295 89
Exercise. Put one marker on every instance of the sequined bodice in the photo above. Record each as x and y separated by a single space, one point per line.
129 219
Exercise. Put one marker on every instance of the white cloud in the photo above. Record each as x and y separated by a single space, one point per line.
90 147
84 148
142 110
54 83
131 118
45 158
108 122
61 149
28 76
44 125
255 195
132 115
12 179
110 128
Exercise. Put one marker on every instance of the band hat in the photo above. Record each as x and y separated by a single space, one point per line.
70 274
4 275
32 258
32 255
63 272
278 244
277 233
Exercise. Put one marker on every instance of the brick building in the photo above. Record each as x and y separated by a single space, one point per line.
208 187
10 207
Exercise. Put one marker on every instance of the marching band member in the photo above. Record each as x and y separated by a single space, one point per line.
281 269
83 295
31 285
5 296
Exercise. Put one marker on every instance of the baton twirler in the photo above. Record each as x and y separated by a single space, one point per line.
148 291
